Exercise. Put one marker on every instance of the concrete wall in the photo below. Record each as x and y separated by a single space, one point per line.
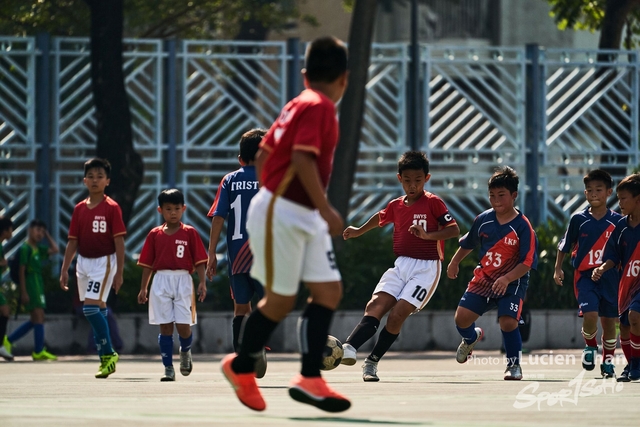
68 334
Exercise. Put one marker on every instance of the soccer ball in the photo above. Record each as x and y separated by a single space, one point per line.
332 354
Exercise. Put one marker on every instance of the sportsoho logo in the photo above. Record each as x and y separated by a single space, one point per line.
576 389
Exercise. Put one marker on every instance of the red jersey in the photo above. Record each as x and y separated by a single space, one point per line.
182 250
307 123
96 228
430 212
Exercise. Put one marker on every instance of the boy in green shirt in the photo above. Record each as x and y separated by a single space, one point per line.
31 254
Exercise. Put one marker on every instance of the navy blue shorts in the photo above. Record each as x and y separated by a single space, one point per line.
595 296
509 304
635 306
244 287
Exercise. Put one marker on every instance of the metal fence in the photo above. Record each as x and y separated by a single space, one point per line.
551 114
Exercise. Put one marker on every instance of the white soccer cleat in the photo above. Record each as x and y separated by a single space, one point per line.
464 349
5 354
350 355
370 371
513 373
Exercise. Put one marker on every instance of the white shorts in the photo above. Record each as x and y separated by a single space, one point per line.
171 298
290 244
95 276
413 280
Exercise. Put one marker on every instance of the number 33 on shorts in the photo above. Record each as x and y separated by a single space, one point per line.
513 307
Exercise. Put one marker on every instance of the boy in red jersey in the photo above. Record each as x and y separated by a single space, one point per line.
421 223
508 250
290 223
173 250
97 233
623 251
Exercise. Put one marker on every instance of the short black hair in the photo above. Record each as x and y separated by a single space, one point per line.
630 184
5 223
97 163
504 177
598 175
172 195
413 160
37 223
249 144
325 59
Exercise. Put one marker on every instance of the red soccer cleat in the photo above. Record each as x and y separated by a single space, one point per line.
316 392
244 385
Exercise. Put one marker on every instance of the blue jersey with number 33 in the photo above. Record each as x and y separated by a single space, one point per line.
232 202
502 247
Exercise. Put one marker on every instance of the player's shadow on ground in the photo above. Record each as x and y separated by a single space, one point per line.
358 420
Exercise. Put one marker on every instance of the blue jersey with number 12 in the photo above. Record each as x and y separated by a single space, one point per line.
232 202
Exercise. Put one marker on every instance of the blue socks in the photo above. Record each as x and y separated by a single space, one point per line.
100 328
469 334
20 332
513 346
38 337
185 343
166 349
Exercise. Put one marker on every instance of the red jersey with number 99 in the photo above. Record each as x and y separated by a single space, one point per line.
95 228
182 250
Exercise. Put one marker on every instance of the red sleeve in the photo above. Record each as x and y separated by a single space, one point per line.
74 227
387 214
147 255
441 212
199 254
215 201
268 141
117 224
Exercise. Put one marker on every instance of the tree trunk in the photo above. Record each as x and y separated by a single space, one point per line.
352 105
113 117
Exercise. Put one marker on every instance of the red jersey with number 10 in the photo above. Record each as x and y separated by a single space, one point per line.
307 123
95 228
429 212
182 250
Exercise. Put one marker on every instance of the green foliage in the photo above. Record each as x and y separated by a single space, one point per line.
153 19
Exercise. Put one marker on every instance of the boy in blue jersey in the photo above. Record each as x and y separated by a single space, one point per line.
623 251
231 203
586 238
508 250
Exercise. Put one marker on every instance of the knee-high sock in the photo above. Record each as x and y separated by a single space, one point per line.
513 346
363 331
590 338
166 349
3 327
635 346
38 337
185 343
608 349
100 328
21 331
236 327
385 340
625 344
469 334
257 331
313 327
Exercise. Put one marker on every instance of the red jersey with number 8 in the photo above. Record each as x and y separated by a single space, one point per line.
95 228
182 250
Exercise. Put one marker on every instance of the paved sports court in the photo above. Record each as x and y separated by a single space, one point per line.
416 389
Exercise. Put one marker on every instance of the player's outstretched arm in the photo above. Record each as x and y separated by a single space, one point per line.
202 285
442 234
352 232
144 285
558 274
217 223
454 265
69 253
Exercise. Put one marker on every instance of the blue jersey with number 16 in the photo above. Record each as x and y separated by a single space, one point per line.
232 202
